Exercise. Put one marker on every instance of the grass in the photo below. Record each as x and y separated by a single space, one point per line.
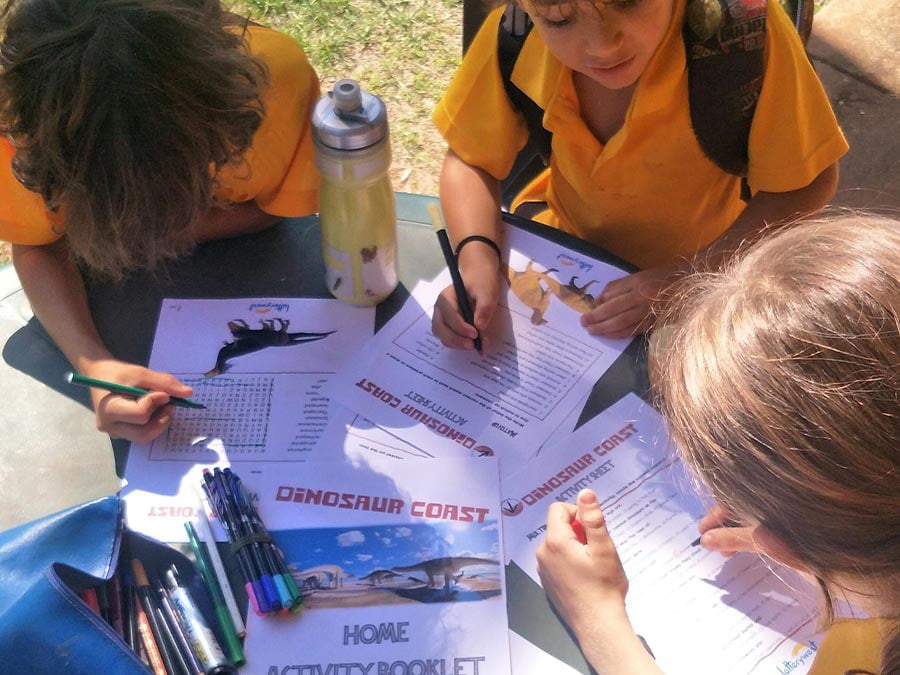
405 51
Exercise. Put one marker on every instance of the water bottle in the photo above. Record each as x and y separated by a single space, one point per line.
356 200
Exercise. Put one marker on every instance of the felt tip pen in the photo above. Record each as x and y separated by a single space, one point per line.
578 528
125 390
459 288
229 630
214 660
151 613
727 523
189 659
204 530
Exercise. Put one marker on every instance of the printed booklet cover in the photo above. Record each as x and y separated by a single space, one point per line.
400 564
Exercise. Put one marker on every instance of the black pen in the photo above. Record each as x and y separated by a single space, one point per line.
462 297
727 523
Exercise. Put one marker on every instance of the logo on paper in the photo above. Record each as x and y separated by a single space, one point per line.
482 451
511 507
799 656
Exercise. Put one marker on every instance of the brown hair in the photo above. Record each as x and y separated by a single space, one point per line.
122 113
782 390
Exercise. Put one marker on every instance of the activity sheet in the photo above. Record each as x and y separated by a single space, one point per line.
401 569
507 401
260 366
695 609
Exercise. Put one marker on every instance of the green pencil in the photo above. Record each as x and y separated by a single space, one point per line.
124 389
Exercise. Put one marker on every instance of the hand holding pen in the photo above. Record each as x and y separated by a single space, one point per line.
465 305
721 533
136 413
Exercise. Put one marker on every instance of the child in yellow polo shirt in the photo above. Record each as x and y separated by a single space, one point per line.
780 389
626 171
134 130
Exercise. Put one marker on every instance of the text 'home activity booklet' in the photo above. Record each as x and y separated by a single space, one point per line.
260 366
510 400
401 569
695 609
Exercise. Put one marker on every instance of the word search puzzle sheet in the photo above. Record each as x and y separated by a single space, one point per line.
260 366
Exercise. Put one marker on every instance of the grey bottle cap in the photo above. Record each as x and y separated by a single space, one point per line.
349 118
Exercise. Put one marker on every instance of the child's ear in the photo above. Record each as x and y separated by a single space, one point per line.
776 548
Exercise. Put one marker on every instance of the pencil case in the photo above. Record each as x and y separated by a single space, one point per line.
45 626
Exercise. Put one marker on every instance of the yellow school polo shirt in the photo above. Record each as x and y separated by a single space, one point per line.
850 646
649 195
278 171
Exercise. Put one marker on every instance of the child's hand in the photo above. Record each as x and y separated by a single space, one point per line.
141 420
586 583
480 274
625 307
718 532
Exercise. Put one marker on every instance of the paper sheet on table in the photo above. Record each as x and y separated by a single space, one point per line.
696 610
542 364
400 564
266 404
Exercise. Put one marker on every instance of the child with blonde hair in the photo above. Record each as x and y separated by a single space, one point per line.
626 170
133 130
781 388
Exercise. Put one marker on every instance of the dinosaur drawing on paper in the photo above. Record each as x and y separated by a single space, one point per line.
248 340
535 289
447 567
379 577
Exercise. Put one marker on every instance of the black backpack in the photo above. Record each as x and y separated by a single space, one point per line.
724 44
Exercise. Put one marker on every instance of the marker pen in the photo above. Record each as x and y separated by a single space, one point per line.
151 617
148 640
211 656
578 528
189 657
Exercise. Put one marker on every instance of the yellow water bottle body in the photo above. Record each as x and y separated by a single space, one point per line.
356 200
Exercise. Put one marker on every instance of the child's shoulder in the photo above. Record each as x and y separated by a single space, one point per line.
278 50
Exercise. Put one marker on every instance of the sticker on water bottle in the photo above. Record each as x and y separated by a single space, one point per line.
365 277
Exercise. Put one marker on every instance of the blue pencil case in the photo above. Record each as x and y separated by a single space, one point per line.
45 626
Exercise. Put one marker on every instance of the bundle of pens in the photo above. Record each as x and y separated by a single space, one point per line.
162 623
269 584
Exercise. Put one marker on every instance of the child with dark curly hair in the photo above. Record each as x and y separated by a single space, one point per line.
135 129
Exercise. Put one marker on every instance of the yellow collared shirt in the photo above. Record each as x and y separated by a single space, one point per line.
649 195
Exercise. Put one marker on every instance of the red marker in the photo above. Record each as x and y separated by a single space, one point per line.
578 529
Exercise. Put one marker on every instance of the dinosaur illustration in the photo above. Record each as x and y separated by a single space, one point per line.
330 576
379 577
577 298
528 288
535 289
447 567
248 340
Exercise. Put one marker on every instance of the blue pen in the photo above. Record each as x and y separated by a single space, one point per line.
219 502
287 589
244 532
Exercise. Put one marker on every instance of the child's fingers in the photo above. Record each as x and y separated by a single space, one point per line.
164 382
728 540
715 517
143 433
448 326
114 408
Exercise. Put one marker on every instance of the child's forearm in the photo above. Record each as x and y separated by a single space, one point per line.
611 646
55 289
770 209
470 198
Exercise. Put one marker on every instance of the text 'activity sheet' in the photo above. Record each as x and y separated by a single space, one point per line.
260 366
514 396
401 570
695 609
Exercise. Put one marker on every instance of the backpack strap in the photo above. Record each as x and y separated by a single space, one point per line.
725 47
512 31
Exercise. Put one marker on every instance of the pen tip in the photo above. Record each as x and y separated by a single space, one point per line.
70 376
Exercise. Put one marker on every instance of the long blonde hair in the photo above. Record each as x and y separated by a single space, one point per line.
782 390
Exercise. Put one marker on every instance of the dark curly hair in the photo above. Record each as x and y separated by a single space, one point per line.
122 113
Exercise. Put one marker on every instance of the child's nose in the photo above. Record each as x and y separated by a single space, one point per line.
603 37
